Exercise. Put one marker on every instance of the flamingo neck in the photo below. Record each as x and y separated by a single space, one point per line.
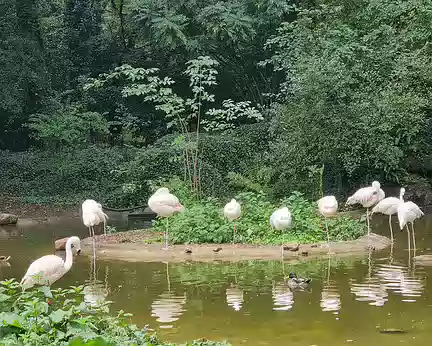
69 255
401 194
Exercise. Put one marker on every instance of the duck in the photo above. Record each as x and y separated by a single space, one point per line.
296 282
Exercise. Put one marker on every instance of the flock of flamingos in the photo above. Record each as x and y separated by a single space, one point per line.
48 269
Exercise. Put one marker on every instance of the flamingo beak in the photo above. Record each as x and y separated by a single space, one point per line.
78 251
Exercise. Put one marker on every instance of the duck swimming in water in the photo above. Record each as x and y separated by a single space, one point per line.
296 282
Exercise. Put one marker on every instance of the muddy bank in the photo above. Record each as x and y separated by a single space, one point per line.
138 250
14 205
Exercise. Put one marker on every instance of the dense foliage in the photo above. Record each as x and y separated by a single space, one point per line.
231 96
61 317
203 220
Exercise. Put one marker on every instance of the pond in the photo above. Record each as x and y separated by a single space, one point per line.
248 303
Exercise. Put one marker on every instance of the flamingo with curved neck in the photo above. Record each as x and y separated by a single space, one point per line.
48 269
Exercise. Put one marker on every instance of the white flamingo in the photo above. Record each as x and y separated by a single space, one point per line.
389 206
232 211
48 269
281 220
93 215
367 197
407 213
165 204
328 207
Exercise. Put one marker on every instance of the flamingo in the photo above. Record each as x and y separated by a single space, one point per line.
407 213
48 269
389 206
281 220
232 211
165 204
328 207
367 197
93 215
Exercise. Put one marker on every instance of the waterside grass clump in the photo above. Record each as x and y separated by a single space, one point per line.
203 220
61 317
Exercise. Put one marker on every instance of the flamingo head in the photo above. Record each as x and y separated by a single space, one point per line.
76 244
180 208
376 185
402 192
161 190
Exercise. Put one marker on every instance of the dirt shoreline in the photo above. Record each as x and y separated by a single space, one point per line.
131 251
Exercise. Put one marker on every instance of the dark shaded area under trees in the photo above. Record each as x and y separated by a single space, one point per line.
101 98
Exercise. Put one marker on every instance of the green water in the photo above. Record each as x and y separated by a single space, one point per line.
248 303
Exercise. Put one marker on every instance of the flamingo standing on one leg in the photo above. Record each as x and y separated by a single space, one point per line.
232 211
165 204
328 207
48 269
93 215
389 206
407 213
367 197
281 220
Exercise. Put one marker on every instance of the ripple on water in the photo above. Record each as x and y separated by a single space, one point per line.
95 293
399 280
234 298
330 298
283 297
168 308
371 290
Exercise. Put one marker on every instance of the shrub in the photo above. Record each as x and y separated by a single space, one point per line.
203 221
61 317
68 175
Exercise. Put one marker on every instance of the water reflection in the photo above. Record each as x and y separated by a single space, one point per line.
399 280
371 290
234 298
168 308
330 298
283 297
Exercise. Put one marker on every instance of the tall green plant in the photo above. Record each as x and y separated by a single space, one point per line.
188 114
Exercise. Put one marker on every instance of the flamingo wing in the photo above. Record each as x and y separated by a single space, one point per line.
46 269
387 206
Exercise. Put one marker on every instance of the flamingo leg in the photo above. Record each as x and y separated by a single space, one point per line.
93 242
413 237
282 246
234 233
328 236
409 245
166 234
367 220
391 229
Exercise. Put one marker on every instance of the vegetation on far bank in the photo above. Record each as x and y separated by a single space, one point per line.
61 317
99 99
203 220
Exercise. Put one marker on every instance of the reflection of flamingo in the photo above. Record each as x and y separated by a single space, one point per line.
50 268
367 197
281 220
168 308
328 207
396 279
408 212
165 204
232 211
234 297
283 297
330 297
389 206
